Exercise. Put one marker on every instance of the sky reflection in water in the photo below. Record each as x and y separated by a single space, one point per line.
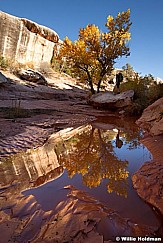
94 163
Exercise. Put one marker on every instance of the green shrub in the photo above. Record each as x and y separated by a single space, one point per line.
155 92
146 91
62 67
45 69
3 63
56 64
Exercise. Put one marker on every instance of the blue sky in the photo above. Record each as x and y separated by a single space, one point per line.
67 16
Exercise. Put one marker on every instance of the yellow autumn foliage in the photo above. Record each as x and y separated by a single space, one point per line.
92 156
92 56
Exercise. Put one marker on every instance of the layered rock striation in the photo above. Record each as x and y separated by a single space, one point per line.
24 41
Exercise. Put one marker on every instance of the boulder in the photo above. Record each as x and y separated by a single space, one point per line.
148 183
148 179
152 118
109 100
32 76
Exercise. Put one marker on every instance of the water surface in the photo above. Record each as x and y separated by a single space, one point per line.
99 159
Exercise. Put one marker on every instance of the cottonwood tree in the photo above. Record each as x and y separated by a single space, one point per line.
94 54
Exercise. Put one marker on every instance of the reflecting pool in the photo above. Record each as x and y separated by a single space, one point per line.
99 158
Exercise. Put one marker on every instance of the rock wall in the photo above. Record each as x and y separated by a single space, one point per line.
24 41
152 118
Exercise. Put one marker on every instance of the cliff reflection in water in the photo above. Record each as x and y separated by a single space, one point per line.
30 169
90 151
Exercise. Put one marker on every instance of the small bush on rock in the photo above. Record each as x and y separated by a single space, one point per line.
146 91
3 63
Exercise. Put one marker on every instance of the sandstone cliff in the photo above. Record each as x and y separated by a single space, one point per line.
24 41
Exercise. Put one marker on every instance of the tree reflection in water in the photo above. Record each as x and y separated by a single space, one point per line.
92 155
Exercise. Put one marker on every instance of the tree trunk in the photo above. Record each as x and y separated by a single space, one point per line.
90 81
98 85
91 86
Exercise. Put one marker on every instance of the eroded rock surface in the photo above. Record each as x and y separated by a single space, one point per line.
31 112
80 218
41 30
148 180
109 100
152 118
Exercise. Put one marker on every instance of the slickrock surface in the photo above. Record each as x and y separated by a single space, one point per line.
148 180
152 118
43 110
80 218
